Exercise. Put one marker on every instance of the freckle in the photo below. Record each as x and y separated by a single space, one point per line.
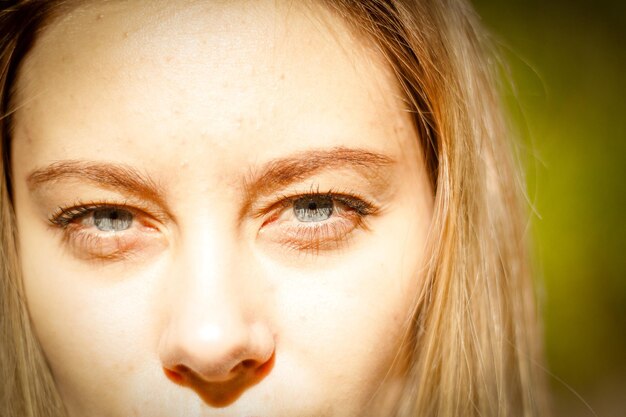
100 17
126 34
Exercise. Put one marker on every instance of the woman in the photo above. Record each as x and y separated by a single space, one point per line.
259 208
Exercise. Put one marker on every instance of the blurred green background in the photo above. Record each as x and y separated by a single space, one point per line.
567 61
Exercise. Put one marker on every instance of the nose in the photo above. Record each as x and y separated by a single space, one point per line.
213 343
205 351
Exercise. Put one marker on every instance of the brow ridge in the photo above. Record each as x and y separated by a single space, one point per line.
114 176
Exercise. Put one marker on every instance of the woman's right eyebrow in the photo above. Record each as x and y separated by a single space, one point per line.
108 175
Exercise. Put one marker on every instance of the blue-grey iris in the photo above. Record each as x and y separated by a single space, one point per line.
112 219
313 208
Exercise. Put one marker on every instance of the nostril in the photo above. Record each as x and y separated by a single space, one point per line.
217 389
249 363
243 366
175 376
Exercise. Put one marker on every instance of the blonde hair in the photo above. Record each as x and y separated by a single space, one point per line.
474 338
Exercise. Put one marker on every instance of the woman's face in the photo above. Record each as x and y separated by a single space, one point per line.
222 210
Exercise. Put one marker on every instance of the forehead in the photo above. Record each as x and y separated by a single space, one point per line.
266 75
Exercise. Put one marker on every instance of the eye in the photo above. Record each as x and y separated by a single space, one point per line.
314 208
103 216
112 219
315 221
102 230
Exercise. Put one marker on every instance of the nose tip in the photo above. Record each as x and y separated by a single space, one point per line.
218 361
217 353
222 394
248 368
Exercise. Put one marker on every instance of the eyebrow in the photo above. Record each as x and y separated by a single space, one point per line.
269 177
278 173
105 174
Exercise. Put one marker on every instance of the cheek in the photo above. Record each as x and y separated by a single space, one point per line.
91 323
338 319
345 323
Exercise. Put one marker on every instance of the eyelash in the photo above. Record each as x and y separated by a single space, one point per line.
64 216
326 234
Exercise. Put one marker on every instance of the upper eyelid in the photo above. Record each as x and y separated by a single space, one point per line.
57 218
285 201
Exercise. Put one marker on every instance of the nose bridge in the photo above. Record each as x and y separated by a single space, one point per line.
208 290
203 275
204 258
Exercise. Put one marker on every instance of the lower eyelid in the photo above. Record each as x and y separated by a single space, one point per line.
314 235
331 229
84 234
106 245
319 237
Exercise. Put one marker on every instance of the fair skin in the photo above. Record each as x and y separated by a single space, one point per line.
198 289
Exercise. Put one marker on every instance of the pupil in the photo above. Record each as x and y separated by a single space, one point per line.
314 208
112 220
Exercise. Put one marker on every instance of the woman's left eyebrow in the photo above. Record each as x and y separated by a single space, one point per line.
277 173
281 172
